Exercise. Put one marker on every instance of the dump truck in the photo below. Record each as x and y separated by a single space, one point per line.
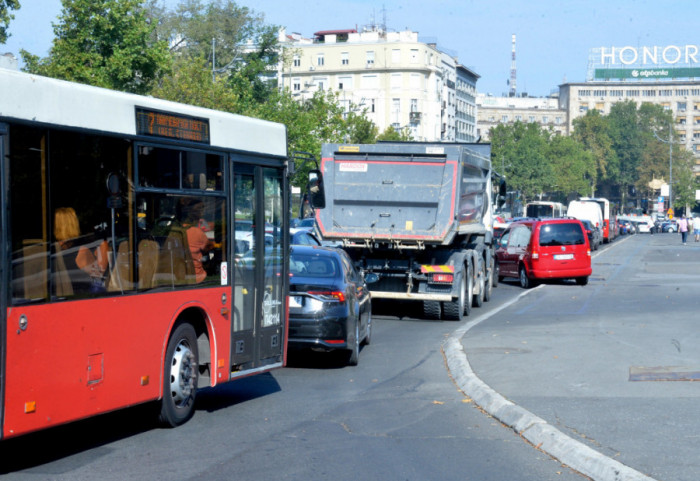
416 219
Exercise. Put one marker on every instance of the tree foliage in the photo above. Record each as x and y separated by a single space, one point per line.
6 6
107 43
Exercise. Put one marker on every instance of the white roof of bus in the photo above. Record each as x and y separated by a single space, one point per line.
43 99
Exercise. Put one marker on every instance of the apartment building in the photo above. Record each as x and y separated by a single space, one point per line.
398 80
544 111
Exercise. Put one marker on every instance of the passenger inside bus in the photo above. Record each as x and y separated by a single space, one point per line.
81 260
199 244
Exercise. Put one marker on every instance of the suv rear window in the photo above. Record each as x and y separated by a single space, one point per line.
561 234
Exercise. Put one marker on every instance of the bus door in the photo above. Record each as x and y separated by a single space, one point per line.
259 260
4 278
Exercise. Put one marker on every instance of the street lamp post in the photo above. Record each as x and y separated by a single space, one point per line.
670 162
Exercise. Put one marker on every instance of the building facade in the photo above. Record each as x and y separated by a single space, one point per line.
393 77
680 97
545 111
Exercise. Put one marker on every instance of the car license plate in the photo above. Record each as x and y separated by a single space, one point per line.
563 257
294 301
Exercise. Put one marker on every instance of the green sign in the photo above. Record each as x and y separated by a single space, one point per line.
645 73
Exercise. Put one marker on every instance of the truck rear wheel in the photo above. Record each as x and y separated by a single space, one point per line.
479 298
456 309
489 281
431 310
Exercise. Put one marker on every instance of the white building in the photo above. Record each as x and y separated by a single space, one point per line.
396 79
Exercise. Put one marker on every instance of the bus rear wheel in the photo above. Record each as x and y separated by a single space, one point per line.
180 375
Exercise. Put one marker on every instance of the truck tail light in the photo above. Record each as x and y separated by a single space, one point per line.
443 278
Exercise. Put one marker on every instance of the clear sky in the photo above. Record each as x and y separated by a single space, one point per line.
553 38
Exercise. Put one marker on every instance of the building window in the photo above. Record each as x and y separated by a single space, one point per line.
545 119
297 61
504 119
414 55
370 58
320 60
345 58
531 119
557 120
371 105
296 85
395 81
345 82
681 106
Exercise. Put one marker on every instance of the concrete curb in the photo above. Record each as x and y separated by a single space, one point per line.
534 429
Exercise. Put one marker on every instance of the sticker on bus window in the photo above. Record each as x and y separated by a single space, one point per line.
224 273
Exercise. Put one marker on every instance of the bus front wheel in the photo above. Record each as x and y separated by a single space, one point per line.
179 377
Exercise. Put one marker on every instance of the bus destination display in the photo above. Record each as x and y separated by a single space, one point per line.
172 126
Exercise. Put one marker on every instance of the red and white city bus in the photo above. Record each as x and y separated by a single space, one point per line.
609 215
119 259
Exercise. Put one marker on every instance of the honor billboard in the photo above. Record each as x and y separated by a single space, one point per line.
670 62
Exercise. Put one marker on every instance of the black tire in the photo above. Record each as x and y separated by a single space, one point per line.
489 284
180 375
432 310
368 331
479 298
354 354
525 281
496 277
582 281
454 310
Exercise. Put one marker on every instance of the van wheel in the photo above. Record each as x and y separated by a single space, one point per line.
582 281
179 377
525 281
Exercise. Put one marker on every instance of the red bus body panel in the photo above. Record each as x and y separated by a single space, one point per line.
73 348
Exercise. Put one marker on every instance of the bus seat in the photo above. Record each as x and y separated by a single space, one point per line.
175 266
34 269
121 274
61 279
148 263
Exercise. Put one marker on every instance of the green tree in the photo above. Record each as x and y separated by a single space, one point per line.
107 43
5 17
521 150
592 132
390 133
234 40
573 167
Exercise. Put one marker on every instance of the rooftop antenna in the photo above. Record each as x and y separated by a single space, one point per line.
513 83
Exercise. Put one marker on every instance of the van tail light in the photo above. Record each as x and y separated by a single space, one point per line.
588 252
535 255
329 295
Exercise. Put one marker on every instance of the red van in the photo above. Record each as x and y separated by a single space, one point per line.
535 249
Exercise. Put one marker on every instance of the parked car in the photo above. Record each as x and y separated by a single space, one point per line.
669 226
330 305
626 227
595 236
536 249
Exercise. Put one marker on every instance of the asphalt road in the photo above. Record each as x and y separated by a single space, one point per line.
396 416
609 366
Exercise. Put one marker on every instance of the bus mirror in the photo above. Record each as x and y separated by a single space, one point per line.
317 196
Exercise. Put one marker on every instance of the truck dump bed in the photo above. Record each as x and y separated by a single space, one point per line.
404 193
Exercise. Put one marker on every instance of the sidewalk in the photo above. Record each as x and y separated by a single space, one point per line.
584 373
